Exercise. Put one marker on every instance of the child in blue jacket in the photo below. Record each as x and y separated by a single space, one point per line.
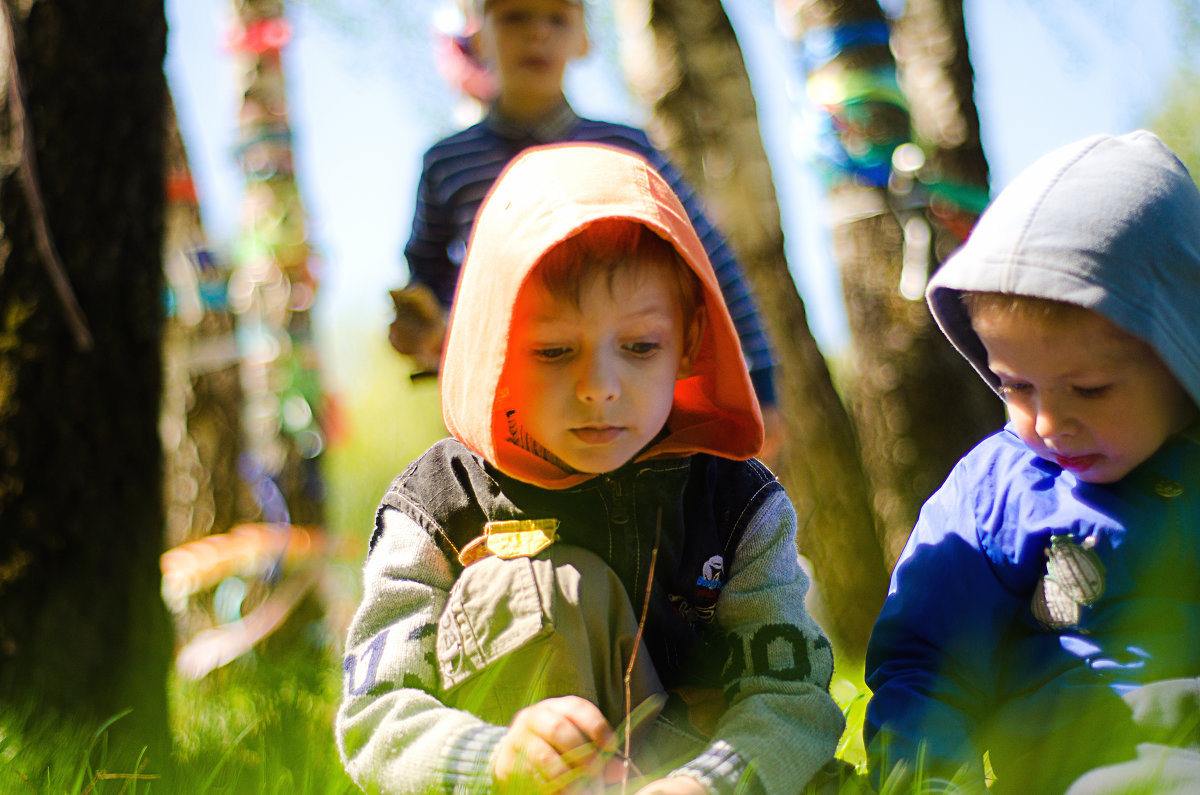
1046 608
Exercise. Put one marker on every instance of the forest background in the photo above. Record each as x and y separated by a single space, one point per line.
365 98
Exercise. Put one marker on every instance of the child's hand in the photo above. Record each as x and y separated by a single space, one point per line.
553 744
419 329
676 785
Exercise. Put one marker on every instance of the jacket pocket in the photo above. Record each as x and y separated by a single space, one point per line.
495 607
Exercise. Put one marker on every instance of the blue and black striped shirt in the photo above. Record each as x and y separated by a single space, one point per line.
458 172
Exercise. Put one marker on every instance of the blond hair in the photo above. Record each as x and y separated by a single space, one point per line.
1019 306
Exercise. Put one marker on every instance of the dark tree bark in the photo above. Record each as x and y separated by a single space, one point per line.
691 71
83 631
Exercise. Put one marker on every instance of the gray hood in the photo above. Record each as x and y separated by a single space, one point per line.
1109 223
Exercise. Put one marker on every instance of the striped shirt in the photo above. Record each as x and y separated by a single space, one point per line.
458 171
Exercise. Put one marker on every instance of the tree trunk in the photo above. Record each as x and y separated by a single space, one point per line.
273 289
83 631
917 405
684 59
930 42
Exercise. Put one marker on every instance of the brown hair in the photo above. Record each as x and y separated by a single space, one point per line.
611 246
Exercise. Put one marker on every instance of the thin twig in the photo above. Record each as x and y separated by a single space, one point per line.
27 172
637 642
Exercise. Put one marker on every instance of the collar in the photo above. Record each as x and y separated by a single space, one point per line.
1165 474
554 126
631 471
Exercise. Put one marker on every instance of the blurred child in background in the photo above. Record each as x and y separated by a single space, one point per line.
528 44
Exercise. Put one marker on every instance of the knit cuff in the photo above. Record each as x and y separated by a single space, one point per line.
723 770
467 758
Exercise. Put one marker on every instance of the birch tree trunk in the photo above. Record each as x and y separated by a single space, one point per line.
930 42
273 288
200 425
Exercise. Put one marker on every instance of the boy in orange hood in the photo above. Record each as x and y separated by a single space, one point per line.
594 548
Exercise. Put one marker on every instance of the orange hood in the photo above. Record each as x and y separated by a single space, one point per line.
546 195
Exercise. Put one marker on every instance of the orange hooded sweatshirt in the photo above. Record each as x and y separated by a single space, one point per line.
545 196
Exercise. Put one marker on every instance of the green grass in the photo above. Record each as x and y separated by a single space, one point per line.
254 727
851 694
260 726
264 724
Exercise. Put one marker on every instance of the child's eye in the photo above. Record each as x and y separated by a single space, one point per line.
513 17
643 348
1092 391
1013 390
551 353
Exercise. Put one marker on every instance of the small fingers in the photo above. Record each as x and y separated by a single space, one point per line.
554 744
530 763
586 723
545 763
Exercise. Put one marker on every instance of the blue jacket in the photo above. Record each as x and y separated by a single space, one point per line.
958 658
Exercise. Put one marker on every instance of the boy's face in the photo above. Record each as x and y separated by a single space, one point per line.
594 383
1081 392
530 42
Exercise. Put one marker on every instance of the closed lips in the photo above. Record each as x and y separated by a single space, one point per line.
597 434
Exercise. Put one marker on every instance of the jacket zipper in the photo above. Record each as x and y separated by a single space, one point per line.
620 513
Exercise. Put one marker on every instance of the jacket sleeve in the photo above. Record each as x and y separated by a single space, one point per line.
394 735
930 661
433 229
781 723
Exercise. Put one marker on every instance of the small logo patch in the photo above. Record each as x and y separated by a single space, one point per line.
712 573
512 538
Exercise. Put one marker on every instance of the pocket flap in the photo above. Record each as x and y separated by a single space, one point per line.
494 607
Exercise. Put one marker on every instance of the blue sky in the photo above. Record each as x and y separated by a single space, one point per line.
364 102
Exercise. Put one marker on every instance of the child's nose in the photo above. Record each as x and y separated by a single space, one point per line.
1053 418
598 382
540 28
